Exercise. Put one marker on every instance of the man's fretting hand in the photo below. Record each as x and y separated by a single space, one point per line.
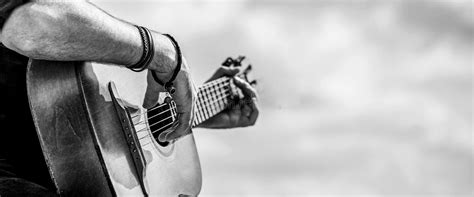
243 113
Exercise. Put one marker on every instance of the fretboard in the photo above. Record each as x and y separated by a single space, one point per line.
212 98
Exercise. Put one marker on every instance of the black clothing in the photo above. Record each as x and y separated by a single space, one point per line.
21 159
10 186
6 7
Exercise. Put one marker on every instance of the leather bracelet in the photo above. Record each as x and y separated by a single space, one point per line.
148 50
169 85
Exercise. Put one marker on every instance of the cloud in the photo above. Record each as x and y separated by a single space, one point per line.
358 97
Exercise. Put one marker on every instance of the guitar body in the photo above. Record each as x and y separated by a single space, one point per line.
81 133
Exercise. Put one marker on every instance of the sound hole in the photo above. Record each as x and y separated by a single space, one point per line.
160 119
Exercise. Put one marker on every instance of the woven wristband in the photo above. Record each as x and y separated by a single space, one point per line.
148 50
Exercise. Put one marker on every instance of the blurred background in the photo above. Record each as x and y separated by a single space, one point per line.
357 97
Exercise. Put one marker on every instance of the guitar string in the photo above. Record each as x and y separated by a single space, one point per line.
148 135
152 132
206 95
209 97
152 109
162 128
144 121
224 96
216 86
205 101
206 86
154 123
206 104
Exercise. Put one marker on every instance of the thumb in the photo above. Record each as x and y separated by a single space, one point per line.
179 132
183 128
162 136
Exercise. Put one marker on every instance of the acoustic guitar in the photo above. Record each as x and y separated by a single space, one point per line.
98 127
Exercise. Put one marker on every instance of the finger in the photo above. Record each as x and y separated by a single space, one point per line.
183 128
184 98
162 136
246 88
246 109
235 116
225 71
175 135
255 110
172 136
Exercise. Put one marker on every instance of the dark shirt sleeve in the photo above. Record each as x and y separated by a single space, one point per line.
6 8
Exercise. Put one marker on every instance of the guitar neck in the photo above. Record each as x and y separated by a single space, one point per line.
213 97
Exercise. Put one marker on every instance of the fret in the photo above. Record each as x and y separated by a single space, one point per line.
222 102
207 113
220 97
213 98
209 101
198 108
198 117
196 121
202 106
217 99
221 93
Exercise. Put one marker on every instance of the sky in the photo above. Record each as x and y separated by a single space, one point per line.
360 98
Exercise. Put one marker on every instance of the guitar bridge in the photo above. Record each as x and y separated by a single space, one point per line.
129 132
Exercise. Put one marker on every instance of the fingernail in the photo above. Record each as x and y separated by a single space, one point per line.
162 137
169 137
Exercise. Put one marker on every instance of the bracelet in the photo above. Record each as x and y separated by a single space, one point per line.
148 50
169 85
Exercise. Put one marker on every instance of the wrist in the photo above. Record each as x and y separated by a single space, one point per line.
165 60
177 62
133 55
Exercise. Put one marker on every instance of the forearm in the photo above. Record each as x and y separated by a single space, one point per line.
72 31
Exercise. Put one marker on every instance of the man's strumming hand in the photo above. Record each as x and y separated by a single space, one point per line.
163 64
